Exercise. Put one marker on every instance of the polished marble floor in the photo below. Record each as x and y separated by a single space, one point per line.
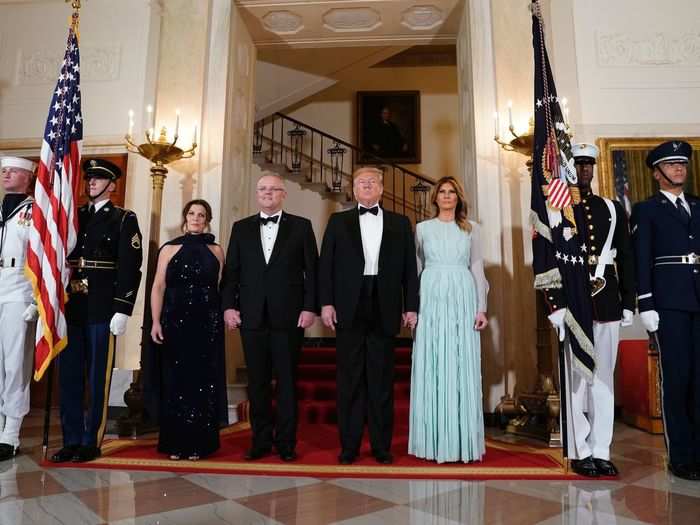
644 493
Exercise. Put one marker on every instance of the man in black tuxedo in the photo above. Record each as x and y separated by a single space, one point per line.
269 292
368 278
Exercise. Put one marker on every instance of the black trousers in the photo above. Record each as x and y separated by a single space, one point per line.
272 352
679 338
365 377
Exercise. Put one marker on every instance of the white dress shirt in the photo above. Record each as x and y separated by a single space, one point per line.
371 229
268 233
670 196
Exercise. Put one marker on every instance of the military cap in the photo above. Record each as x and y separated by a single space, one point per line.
583 151
17 162
671 151
101 169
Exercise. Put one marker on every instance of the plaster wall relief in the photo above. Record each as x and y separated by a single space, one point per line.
96 64
422 18
651 49
283 22
352 19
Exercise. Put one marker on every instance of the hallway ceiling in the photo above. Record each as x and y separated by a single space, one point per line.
331 23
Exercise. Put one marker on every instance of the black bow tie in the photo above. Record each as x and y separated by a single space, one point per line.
374 210
265 220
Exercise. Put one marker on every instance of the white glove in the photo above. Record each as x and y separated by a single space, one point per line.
557 320
650 320
30 313
627 316
118 323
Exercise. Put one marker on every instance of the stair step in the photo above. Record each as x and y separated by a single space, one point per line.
321 372
308 391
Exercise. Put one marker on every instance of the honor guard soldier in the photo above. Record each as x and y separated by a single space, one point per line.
608 250
666 234
105 277
17 307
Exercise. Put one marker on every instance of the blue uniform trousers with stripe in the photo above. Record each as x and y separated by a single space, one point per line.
89 354
679 339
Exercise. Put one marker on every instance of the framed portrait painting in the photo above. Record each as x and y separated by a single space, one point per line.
388 127
624 175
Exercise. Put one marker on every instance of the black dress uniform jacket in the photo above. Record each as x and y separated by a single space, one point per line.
286 285
659 230
111 235
618 292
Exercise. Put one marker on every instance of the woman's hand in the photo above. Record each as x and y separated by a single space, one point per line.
480 321
157 333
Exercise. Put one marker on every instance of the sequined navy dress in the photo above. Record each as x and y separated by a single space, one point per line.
193 394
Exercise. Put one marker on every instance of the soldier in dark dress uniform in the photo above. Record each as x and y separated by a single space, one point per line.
105 277
608 250
666 233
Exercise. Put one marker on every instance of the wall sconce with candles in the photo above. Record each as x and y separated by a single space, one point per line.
537 413
160 151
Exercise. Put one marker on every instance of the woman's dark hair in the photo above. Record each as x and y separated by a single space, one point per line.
201 202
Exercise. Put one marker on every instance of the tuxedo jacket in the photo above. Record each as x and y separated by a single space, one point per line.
342 266
286 285
659 230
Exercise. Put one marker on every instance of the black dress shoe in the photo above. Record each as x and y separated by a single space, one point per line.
385 458
605 467
288 454
684 471
585 467
347 458
8 451
86 453
65 454
256 453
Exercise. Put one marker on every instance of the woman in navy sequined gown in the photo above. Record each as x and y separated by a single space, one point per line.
188 325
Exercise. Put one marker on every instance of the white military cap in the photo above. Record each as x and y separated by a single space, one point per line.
583 149
17 162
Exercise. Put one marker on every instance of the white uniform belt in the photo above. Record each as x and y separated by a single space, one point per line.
604 258
691 258
8 261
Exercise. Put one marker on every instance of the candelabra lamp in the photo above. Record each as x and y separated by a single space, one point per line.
534 414
160 152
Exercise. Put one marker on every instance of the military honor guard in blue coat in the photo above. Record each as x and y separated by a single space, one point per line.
608 252
17 307
106 272
666 233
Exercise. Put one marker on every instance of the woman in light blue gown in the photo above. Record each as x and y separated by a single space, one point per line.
446 417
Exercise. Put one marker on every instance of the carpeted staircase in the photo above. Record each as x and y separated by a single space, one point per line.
316 385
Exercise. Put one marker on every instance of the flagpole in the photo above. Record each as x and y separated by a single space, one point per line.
47 411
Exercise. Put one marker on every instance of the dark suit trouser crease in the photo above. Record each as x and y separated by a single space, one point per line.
271 351
679 338
365 377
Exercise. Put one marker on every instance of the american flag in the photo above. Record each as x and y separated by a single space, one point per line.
54 213
622 187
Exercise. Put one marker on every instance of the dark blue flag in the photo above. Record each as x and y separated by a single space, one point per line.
560 256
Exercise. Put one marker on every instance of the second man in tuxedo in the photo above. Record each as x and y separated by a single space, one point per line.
368 285
269 292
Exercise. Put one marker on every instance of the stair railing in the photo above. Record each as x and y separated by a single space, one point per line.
319 157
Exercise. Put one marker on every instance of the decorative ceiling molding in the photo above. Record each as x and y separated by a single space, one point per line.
283 22
352 19
422 17
657 49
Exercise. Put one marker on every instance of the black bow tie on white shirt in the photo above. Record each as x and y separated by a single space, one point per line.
265 220
374 210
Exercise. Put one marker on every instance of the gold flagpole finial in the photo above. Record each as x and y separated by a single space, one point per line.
75 4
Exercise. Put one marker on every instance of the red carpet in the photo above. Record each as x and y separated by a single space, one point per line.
318 441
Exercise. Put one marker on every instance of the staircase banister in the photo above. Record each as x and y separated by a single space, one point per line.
354 148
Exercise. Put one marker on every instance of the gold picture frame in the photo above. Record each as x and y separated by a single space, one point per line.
641 185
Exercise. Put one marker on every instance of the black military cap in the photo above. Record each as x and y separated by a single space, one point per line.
671 151
101 169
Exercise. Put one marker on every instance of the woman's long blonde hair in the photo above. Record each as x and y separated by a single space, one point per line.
461 209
